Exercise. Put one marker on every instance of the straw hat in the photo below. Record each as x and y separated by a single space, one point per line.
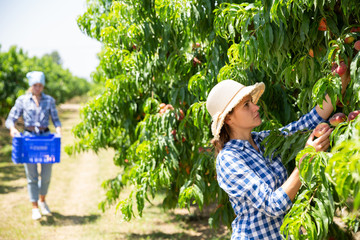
225 96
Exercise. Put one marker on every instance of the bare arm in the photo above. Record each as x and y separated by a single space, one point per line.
327 106
327 109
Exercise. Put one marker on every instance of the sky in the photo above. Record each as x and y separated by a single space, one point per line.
42 26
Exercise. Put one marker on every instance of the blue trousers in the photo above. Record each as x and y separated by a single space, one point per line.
37 186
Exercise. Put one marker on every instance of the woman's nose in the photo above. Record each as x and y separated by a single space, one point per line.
255 107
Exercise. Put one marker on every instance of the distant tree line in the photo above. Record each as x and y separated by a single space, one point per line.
60 82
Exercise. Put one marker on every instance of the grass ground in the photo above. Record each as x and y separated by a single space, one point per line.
74 195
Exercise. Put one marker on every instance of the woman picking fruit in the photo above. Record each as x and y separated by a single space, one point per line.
259 190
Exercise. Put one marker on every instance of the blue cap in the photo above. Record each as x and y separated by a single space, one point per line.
36 77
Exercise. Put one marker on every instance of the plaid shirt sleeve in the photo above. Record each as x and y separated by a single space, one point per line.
15 112
54 114
307 121
241 182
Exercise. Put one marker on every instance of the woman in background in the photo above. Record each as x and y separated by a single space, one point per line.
35 107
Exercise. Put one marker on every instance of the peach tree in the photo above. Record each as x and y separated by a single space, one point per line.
161 58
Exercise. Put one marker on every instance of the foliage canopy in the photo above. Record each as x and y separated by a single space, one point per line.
174 52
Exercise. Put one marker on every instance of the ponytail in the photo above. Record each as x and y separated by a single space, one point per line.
224 137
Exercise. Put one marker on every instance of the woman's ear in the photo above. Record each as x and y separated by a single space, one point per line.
227 119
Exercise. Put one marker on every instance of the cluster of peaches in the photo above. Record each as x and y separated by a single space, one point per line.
350 38
163 108
335 120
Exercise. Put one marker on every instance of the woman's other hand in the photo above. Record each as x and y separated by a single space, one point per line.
14 131
321 143
58 131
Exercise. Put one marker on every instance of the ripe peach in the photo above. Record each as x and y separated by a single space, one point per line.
339 104
341 70
337 118
187 169
311 52
196 45
321 129
349 39
196 61
355 29
322 25
353 115
162 105
182 115
357 45
169 106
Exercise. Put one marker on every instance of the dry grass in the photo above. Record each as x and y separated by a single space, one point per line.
73 198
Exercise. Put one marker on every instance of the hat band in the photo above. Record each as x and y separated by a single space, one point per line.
229 103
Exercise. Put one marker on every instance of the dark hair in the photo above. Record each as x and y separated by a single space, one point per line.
224 137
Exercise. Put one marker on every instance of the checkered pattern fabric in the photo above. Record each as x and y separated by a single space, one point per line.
25 106
253 183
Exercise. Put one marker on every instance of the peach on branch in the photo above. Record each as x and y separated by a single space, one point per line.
322 25
162 105
169 106
321 129
355 29
187 169
196 61
353 115
337 118
357 45
196 45
349 39
311 52
182 115
341 69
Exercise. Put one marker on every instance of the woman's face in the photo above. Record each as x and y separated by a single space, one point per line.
37 88
244 116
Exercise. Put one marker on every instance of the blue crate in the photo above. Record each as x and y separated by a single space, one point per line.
36 149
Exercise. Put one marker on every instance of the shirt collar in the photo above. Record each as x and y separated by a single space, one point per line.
29 95
241 144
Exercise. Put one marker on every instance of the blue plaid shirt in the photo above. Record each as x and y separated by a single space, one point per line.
26 107
253 183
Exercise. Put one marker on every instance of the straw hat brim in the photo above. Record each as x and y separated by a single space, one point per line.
255 91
